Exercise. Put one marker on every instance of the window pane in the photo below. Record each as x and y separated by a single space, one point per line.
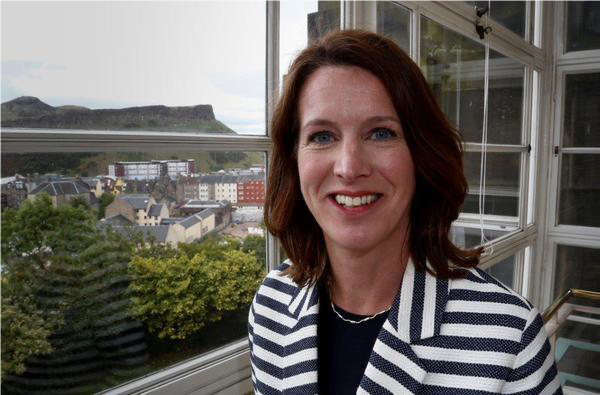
579 202
393 20
504 271
582 110
576 267
116 265
502 183
576 354
455 68
135 66
301 23
466 235
510 14
583 19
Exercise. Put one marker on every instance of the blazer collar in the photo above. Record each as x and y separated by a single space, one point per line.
416 313
418 309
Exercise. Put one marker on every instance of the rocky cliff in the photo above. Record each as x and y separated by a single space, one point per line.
31 112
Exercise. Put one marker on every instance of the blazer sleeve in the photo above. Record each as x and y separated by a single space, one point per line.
251 342
534 370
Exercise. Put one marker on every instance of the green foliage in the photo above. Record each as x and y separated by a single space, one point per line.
23 333
177 296
213 246
38 242
80 202
222 157
105 199
256 244
42 163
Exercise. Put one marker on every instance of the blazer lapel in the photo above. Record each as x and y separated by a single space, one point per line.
416 314
300 370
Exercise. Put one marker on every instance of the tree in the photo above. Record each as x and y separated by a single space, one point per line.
256 244
25 329
79 201
178 296
36 240
105 199
64 298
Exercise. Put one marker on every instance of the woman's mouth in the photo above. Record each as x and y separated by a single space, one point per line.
355 201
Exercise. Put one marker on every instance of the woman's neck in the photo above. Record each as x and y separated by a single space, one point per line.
366 282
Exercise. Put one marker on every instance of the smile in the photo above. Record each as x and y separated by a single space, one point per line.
356 201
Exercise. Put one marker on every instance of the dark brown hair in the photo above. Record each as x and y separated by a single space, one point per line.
435 146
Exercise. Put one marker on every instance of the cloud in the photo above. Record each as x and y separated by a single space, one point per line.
175 54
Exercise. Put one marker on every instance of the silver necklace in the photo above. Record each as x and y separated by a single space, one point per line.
367 318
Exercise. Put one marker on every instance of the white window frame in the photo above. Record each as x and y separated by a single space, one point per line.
565 63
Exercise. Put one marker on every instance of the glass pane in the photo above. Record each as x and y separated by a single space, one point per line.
510 14
576 354
115 265
455 68
469 235
135 66
582 110
504 271
583 19
502 183
393 20
579 202
301 23
576 267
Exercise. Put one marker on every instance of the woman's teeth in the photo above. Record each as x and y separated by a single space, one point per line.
350 201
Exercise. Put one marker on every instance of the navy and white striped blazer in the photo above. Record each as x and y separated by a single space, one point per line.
467 336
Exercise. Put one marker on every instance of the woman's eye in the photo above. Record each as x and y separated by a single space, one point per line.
383 134
321 138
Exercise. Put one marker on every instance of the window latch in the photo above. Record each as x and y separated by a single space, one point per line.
481 11
479 28
556 149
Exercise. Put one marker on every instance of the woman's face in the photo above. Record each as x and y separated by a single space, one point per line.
356 171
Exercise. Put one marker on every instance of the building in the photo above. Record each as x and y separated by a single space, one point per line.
222 210
150 170
170 231
187 188
242 188
14 191
95 184
139 209
63 192
251 189
195 226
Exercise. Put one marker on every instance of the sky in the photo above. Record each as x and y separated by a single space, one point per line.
116 54
123 54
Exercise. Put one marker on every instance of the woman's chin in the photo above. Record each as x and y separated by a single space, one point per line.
354 241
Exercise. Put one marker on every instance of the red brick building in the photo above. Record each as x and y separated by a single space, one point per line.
251 190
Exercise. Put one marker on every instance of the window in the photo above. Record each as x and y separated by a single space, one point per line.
582 26
454 66
109 289
393 20
510 14
301 23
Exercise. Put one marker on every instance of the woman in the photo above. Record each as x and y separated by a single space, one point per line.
365 182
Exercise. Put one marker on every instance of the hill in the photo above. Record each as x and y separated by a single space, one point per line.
31 112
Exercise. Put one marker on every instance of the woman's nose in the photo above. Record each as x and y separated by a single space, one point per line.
351 161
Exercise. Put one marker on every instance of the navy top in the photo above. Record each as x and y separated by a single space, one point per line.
344 348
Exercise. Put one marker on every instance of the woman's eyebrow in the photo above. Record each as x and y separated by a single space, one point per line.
318 122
